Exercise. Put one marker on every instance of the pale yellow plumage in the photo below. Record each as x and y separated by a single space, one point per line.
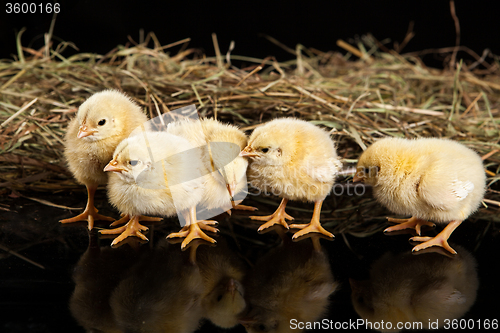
430 179
224 168
224 171
154 173
101 123
295 160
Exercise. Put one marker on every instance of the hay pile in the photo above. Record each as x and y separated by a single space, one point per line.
368 93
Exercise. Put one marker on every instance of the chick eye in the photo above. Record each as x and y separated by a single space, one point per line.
133 162
219 298
264 150
101 122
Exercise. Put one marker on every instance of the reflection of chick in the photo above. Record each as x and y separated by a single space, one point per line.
155 173
425 288
160 294
222 273
431 179
297 161
102 121
291 282
96 275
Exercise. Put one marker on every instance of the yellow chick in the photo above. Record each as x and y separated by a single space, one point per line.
220 144
428 178
409 289
156 173
101 123
295 160
223 296
291 283
162 293
224 169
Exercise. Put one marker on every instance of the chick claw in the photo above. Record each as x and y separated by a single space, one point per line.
244 207
440 240
411 223
204 225
89 214
143 218
194 231
432 241
310 230
132 228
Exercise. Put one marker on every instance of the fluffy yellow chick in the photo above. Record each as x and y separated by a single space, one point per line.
156 173
162 293
411 289
428 178
295 160
223 296
224 169
220 144
292 282
101 123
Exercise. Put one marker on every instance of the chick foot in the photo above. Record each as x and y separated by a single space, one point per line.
278 217
90 212
440 240
194 231
125 218
241 207
132 228
411 223
314 228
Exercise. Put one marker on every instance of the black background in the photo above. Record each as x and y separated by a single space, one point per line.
99 26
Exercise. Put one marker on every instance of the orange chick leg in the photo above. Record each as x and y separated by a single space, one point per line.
194 230
236 205
243 207
314 228
90 212
132 228
125 218
440 240
278 217
411 223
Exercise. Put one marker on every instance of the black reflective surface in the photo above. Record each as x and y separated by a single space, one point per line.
35 299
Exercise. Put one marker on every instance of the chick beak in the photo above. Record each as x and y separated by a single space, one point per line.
231 188
358 178
84 131
248 152
113 166
231 287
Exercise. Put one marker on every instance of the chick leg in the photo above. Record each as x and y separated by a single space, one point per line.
125 218
132 228
314 228
194 230
440 240
411 223
278 217
236 205
90 212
